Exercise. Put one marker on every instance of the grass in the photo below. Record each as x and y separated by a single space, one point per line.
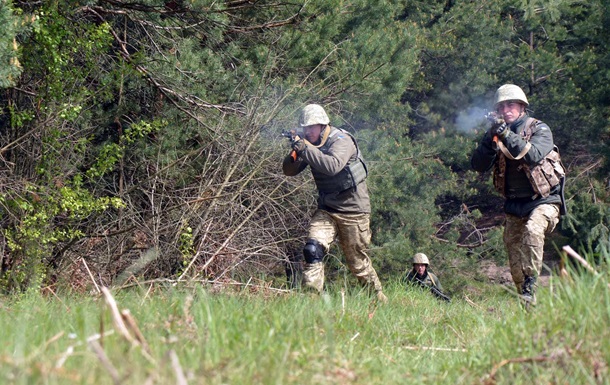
197 336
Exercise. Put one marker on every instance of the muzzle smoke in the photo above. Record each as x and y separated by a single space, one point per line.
471 120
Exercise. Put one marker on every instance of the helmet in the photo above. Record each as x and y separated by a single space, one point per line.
313 114
420 258
510 92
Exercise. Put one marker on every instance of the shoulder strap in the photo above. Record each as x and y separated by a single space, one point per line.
509 155
528 130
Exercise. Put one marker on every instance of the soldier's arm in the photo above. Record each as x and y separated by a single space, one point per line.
484 156
291 167
335 160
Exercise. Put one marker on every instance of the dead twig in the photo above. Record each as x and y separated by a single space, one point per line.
491 377
117 319
436 349
581 260
131 323
180 377
101 355
91 276
471 303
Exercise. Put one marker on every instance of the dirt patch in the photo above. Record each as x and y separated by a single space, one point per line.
501 274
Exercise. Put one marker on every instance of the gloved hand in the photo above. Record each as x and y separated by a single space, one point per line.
298 145
500 130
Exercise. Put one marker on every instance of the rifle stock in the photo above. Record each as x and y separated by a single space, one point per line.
434 290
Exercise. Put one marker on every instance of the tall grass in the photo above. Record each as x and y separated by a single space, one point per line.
241 337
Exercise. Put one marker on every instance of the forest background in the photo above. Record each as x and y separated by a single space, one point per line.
140 140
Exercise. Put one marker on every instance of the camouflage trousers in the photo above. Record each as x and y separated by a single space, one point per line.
524 241
354 236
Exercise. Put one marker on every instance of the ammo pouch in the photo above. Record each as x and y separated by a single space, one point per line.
546 174
543 176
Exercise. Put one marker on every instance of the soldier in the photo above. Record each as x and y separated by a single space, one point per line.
420 275
343 200
529 174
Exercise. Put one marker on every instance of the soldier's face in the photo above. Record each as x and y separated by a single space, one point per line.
312 133
510 110
420 268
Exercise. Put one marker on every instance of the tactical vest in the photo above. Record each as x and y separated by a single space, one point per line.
352 174
542 177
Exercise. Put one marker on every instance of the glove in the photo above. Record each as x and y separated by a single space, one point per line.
500 130
299 145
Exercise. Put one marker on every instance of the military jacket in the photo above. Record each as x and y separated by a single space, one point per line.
520 196
331 161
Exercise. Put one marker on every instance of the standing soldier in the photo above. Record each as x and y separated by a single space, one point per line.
343 200
529 174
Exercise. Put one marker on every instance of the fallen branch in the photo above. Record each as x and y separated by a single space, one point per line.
117 319
436 349
471 303
101 355
97 288
131 323
491 377
581 260
180 377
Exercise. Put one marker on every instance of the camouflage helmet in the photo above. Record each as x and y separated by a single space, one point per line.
313 114
420 258
510 92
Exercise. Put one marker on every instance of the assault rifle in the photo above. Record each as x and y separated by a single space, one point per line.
495 120
292 135
434 290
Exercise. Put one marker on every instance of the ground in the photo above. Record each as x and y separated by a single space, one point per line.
500 274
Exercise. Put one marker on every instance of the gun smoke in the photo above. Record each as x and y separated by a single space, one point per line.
470 120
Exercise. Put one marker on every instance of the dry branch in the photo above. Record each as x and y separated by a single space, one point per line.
180 377
117 319
491 377
436 349
131 323
569 251
101 355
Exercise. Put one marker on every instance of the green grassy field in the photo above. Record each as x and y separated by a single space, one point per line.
196 335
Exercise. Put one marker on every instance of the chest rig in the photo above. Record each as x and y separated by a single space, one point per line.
542 176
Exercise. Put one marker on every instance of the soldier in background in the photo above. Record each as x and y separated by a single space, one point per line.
344 207
420 276
529 174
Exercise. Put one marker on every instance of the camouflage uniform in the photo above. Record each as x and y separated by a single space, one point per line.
342 213
528 215
354 237
524 240
429 279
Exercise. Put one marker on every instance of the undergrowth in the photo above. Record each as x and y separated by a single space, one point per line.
257 335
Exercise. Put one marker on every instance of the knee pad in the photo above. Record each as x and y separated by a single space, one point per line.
313 251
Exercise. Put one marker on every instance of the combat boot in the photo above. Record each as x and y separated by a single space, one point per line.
529 291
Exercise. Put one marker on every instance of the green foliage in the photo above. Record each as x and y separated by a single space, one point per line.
162 104
12 24
588 219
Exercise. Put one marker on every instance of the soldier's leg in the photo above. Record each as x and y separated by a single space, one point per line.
355 237
541 221
322 231
513 235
